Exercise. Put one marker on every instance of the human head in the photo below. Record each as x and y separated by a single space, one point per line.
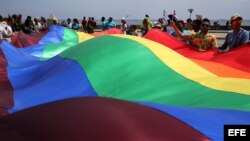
160 20
103 19
189 21
14 16
19 17
157 25
68 20
236 21
29 17
206 20
54 21
196 24
110 19
189 24
123 20
4 23
180 25
75 20
36 20
205 25
28 22
236 17
43 19
1 18
172 18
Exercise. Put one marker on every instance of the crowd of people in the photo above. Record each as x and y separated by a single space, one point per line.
196 32
12 24
203 40
193 32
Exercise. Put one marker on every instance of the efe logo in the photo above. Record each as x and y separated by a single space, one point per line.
236 132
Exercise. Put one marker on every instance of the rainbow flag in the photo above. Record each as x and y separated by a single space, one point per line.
193 94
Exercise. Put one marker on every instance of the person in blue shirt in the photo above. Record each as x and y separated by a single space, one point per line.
237 36
110 23
75 24
169 28
103 23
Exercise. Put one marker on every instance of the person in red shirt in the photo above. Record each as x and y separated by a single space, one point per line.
84 24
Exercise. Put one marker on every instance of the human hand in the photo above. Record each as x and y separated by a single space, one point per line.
172 23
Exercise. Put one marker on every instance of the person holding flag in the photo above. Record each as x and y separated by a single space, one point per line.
149 20
235 37
201 40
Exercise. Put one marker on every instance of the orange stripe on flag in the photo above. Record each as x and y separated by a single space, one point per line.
222 70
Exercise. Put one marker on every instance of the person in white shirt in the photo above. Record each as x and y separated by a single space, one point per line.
38 25
1 31
1 27
7 31
124 26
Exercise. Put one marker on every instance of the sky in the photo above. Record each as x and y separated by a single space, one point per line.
136 9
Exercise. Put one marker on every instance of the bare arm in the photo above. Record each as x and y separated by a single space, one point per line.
179 33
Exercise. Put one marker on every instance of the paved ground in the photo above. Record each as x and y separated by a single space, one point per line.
220 35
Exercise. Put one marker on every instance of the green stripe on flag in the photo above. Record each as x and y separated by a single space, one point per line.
125 69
